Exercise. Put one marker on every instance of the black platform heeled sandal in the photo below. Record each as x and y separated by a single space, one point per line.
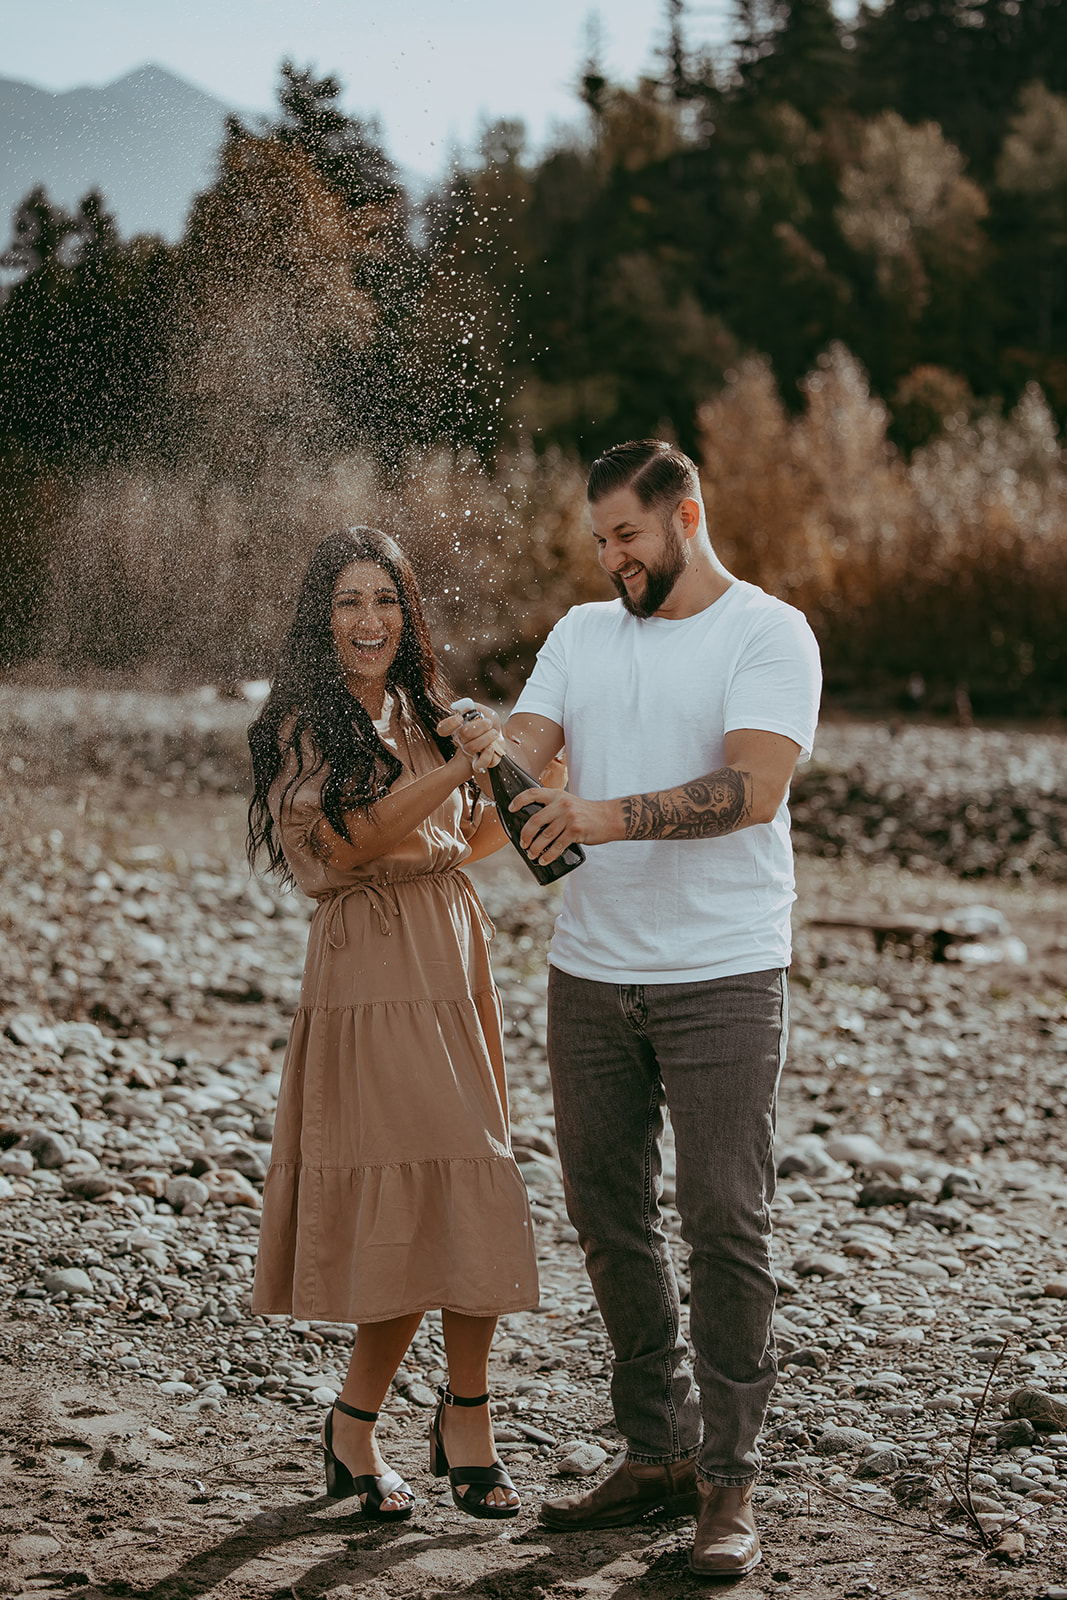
341 1485
479 1480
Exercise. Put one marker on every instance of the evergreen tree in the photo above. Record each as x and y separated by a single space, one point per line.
83 338
41 230
959 63
793 50
346 152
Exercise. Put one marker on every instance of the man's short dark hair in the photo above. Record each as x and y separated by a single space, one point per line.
659 474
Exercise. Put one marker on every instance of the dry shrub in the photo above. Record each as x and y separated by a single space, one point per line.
951 569
809 507
762 499
993 498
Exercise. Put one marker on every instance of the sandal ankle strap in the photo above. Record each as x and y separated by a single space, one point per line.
450 1399
354 1411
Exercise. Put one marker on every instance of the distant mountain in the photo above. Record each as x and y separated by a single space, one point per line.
148 141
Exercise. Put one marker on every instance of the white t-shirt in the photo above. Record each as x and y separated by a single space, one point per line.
645 704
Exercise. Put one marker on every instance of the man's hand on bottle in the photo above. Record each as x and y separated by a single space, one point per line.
481 738
566 819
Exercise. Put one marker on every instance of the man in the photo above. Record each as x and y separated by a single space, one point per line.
684 707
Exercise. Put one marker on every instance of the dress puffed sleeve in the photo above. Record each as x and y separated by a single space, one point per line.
295 803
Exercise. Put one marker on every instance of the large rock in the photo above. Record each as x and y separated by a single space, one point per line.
582 1460
858 1149
230 1188
48 1149
835 1441
182 1192
68 1280
1039 1409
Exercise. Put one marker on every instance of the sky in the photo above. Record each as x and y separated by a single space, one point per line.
431 70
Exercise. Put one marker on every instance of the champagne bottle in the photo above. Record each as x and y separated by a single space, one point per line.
508 780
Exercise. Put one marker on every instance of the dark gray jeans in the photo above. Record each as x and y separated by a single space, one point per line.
713 1052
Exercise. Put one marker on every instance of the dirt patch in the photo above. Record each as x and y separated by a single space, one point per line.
150 1451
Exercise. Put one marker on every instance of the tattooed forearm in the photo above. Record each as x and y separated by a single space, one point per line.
719 803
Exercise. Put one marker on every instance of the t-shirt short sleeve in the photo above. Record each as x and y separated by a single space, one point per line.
544 693
777 679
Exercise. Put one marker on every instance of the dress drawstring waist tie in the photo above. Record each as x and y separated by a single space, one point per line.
385 903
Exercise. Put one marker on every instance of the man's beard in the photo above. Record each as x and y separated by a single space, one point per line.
659 580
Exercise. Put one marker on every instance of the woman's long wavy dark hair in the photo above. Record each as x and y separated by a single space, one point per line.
311 702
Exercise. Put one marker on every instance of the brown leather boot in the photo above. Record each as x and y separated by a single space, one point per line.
628 1493
726 1543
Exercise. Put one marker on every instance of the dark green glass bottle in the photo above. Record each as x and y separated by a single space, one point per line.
508 780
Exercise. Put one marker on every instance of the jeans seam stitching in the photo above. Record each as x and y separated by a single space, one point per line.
665 1299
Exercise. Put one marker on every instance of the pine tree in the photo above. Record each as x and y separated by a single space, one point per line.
345 151
41 230
793 50
959 63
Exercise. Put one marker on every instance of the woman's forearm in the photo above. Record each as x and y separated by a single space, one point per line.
490 836
375 832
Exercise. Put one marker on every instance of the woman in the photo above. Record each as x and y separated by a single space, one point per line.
392 1189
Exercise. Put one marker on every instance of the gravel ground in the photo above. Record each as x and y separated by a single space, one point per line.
156 1440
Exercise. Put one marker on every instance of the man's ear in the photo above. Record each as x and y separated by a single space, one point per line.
687 513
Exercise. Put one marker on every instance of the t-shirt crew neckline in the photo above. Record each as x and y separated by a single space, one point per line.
697 616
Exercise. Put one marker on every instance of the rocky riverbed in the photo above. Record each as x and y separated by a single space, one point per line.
157 1440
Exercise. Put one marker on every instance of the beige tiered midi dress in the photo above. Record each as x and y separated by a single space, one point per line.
392 1187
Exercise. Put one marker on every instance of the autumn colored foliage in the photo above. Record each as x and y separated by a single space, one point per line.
831 264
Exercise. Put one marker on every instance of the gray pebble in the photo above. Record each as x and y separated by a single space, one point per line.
535 1435
923 1268
985 1502
839 1441
582 1460
185 1192
1014 1433
940 1217
822 1265
880 1464
48 1149
245 1161
420 1395
29 1031
68 1280
16 1163
857 1149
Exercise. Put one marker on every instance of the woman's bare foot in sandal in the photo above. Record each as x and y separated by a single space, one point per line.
467 1435
356 1447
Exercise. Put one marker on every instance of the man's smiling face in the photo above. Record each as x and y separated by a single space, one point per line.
642 553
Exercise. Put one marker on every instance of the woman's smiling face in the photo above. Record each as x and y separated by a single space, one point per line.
367 621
